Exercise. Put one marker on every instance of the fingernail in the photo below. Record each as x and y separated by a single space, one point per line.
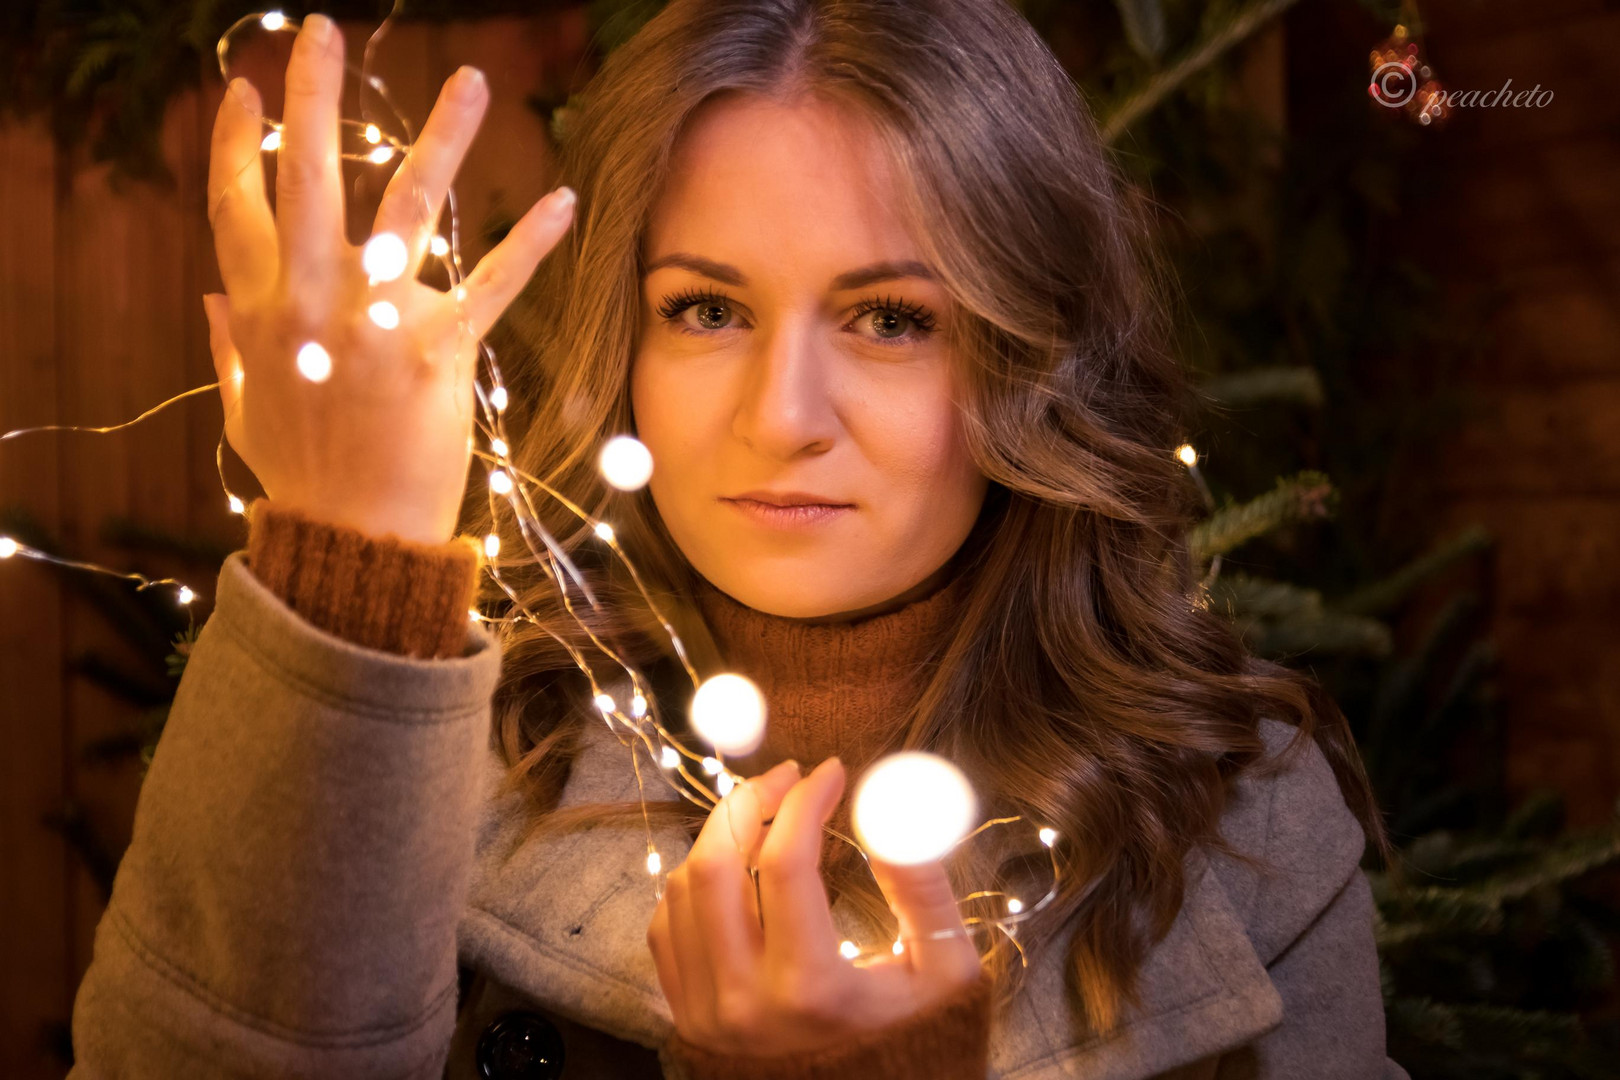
562 200
319 28
469 83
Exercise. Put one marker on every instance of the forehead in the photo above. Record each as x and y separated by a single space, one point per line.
802 187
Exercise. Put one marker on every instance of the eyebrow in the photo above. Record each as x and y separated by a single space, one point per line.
853 279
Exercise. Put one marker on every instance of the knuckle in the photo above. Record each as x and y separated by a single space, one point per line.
779 862
804 997
736 1009
297 175
707 871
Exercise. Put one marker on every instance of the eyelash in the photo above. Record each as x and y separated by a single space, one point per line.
922 320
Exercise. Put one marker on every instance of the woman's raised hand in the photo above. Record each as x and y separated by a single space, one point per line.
379 439
766 977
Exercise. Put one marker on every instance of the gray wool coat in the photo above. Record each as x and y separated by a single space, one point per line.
316 856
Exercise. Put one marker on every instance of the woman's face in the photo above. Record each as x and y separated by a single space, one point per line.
791 341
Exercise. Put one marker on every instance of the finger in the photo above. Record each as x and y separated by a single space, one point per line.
719 894
936 939
798 920
244 229
309 182
754 802
669 976
227 361
691 954
410 206
501 274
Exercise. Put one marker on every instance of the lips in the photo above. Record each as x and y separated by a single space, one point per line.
787 498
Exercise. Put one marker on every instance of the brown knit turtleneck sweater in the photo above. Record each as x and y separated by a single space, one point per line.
830 688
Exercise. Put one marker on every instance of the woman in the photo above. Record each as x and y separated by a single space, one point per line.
866 257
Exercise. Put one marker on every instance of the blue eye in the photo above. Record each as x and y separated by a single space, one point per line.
886 314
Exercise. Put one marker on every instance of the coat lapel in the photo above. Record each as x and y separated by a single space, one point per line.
563 920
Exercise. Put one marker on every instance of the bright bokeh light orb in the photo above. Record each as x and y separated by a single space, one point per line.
605 531
848 950
314 362
381 155
439 246
384 314
492 545
8 547
237 505
1188 455
384 257
669 758
272 21
729 712
654 863
271 142
497 399
500 483
186 595
913 807
626 463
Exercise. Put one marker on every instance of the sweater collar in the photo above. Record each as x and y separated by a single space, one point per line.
834 687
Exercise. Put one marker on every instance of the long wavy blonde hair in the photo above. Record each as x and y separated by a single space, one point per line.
1085 684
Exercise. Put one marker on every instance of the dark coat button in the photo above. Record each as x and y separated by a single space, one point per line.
520 1046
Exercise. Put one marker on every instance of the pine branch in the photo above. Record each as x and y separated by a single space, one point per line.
1267 386
1304 497
1145 99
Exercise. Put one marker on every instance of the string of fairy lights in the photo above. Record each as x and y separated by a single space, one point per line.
908 808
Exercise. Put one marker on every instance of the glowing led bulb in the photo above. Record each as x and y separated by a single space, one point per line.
498 447
8 547
848 950
605 702
638 706
271 142
497 399
1014 905
605 531
384 257
439 246
670 758
912 807
899 947
380 155
492 547
724 784
373 134
654 863
384 314
272 21
500 483
729 712
712 766
186 595
1048 836
1187 454
237 506
625 462
314 362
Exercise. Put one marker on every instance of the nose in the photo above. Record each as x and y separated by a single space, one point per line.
785 406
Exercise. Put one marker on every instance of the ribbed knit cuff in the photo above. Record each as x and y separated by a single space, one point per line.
949 1040
381 592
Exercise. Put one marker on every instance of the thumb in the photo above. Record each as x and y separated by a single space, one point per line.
227 361
936 939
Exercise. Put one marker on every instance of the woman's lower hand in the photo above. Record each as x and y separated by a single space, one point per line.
379 439
767 977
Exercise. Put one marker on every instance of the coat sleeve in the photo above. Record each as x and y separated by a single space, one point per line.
1312 924
302 848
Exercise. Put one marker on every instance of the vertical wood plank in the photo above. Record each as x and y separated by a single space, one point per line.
35 985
